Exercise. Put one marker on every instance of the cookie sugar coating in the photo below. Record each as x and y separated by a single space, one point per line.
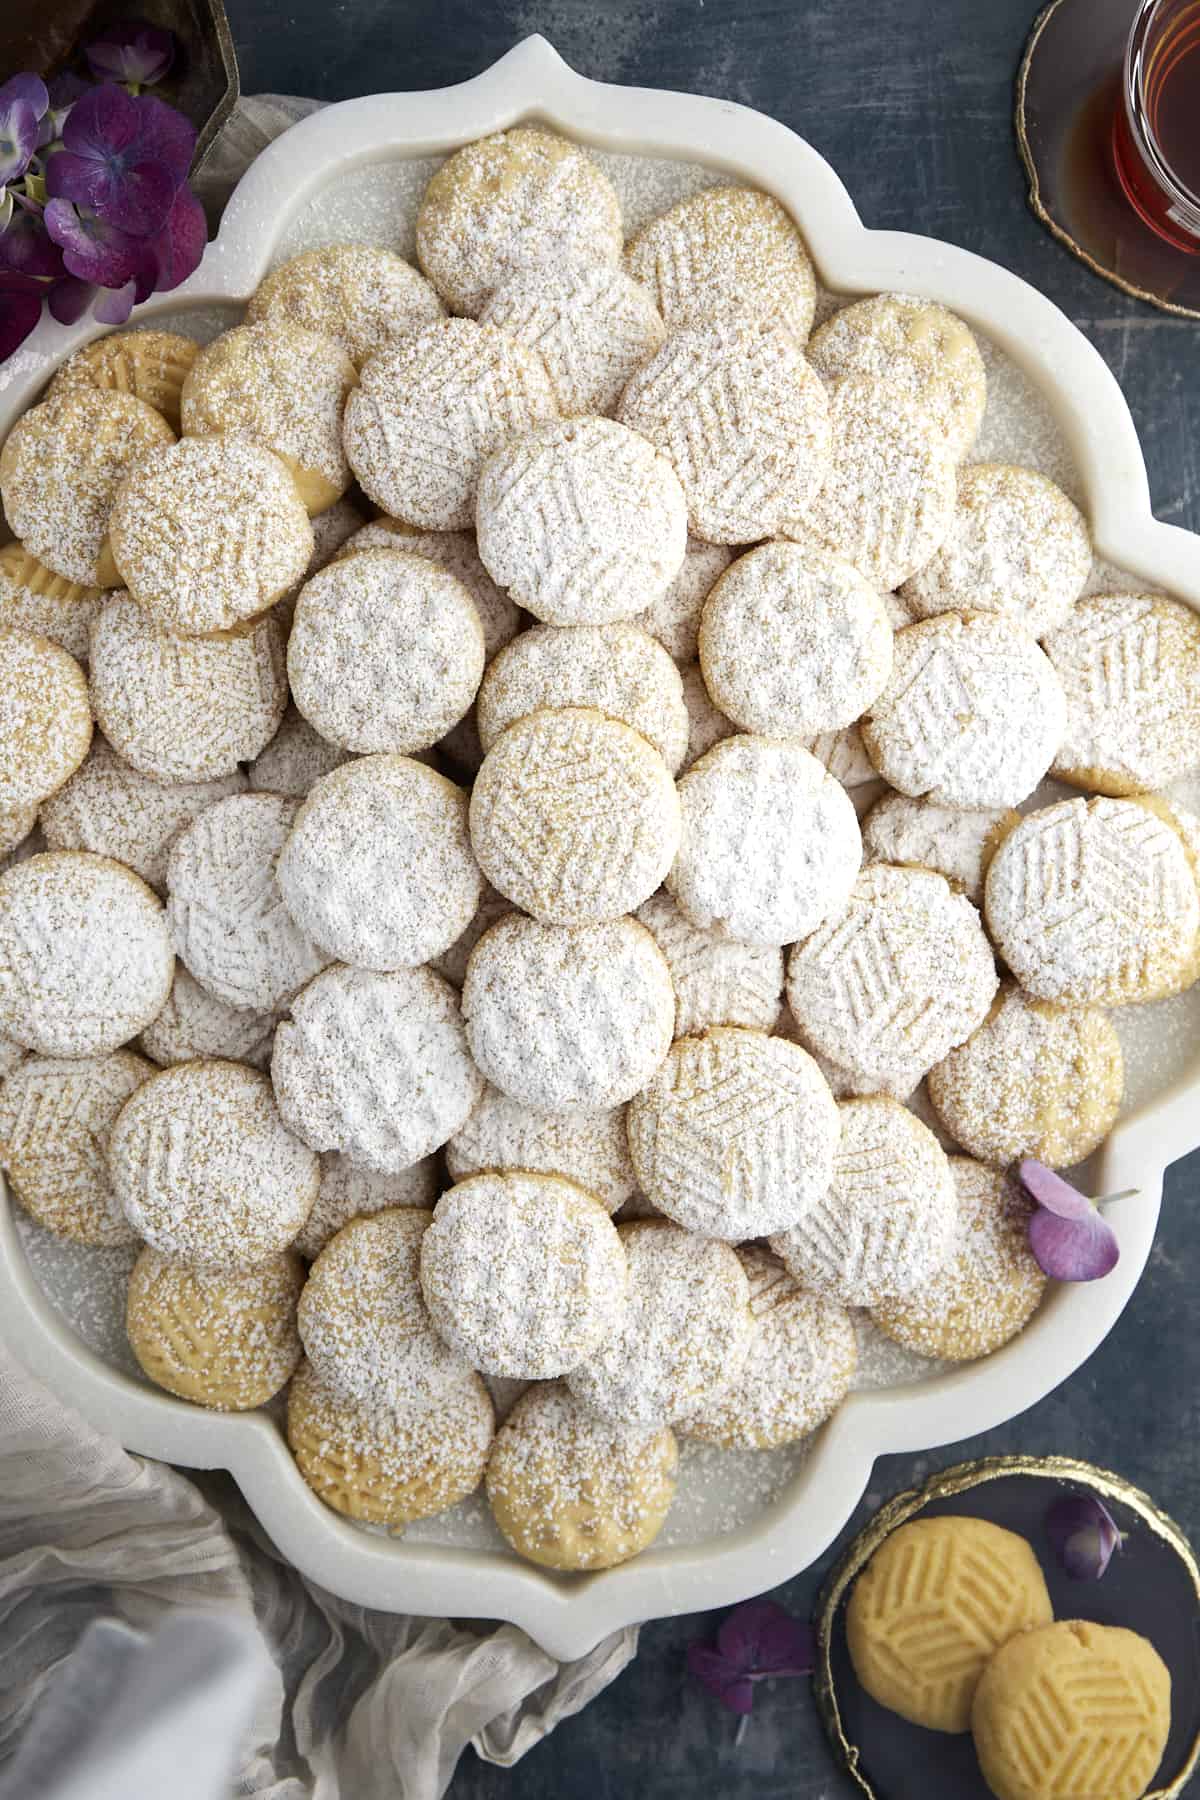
735 1136
45 718
33 598
378 869
150 365
85 954
938 1598
295 759
589 1148
955 841
707 725
221 1338
571 1491
454 551
718 980
194 1024
349 1193
674 618
361 295
590 323
205 1169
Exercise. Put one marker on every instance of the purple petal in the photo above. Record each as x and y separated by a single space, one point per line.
20 309
175 253
18 137
114 305
103 122
762 1640
93 249
134 196
724 1683
131 50
1083 1249
69 299
26 249
165 136
29 89
1051 1191
1083 1534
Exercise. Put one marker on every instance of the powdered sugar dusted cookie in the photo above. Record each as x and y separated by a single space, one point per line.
361 295
574 817
15 827
736 1134
955 841
844 755
588 1148
793 642
195 1024
347 1192
802 1358
888 1219
568 1018
685 1333
1016 546
376 1066
55 1118
1095 902
507 202
110 807
378 869
726 252
891 983
744 421
386 651
524 1274
718 980
223 1338
33 598
85 955
227 915
295 759
331 531
45 718
617 669
430 410
590 323
571 1491
1130 666
453 962
674 618
707 725
455 551
770 843
150 365
205 1169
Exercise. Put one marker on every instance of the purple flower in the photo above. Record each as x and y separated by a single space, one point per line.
92 249
123 159
20 309
23 102
176 251
25 245
1084 1535
131 50
64 90
70 298
1069 1238
756 1642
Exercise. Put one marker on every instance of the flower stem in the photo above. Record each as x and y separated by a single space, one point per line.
743 1725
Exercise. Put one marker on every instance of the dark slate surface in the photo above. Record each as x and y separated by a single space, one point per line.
911 102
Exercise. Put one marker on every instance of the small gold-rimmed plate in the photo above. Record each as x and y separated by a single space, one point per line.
1152 1587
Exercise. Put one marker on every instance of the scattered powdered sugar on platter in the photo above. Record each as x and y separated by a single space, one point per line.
86 1287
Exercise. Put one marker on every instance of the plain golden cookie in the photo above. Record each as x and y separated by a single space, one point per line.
45 718
361 295
33 598
1070 1710
934 1603
150 365
221 1338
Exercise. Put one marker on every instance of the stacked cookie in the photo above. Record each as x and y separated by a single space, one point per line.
489 835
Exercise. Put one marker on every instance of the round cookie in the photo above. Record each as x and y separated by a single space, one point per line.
726 252
15 827
685 1334
1016 546
379 869
990 1287
184 709
717 979
1096 902
386 651
889 1217
55 1118
843 754
113 809
150 365
453 962
222 1338
349 1193
523 1274
735 1136
209 533
674 618
428 412
574 817
591 324
794 643
937 1600
770 844
706 725
455 551
1068 1702
568 1018
1033 1080
332 531
1130 667
385 1466
581 520
618 670
225 909
362 1319
507 202
571 1491
972 715
915 348
361 295
887 502
295 759
280 386
45 719
61 468
196 1025
801 1361
589 1148
205 1168
375 1066
85 955
744 421
33 598
899 977
957 842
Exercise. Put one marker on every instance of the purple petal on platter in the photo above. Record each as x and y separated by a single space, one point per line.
1083 1535
1082 1249
114 305
131 50
20 310
165 135
69 299
763 1640
26 248
93 249
1051 1191
176 252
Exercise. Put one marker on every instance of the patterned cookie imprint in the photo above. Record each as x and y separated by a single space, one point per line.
455 551
674 618
591 324
957 842
150 365
361 295
347 1192
195 1024
33 598
718 980
45 719
222 1338
588 1148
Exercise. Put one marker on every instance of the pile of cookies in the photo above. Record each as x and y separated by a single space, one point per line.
415 894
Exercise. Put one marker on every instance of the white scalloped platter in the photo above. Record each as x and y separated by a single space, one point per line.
741 1523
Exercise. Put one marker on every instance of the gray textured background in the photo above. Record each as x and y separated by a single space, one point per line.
911 101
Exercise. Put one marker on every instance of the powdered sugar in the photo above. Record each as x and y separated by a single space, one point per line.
955 841
194 1023
34 598
45 718
718 980
221 1338
589 1148
455 551
361 295
295 759
707 725
590 323
347 1193
674 618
